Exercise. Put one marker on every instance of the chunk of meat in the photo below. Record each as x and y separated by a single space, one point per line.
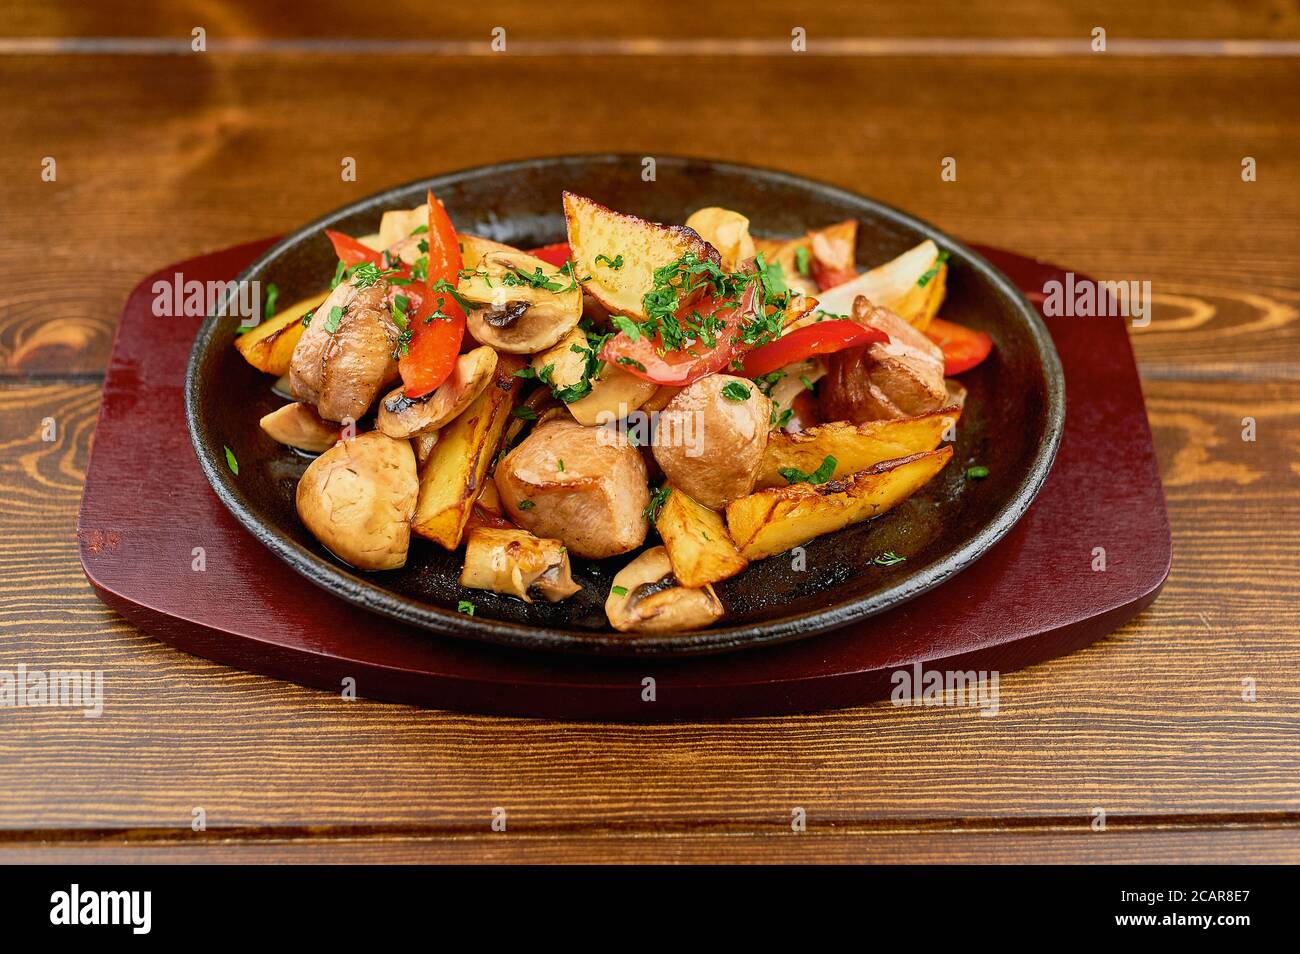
583 486
344 358
902 377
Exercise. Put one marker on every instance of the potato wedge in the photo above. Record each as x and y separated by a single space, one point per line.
699 547
725 230
399 224
774 520
855 447
453 476
595 231
893 285
269 346
473 248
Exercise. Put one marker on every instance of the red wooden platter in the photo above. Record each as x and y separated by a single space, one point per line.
149 521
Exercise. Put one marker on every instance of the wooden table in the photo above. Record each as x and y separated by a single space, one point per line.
1125 164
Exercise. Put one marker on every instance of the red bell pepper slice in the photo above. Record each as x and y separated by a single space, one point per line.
963 348
681 367
554 255
438 323
823 337
350 251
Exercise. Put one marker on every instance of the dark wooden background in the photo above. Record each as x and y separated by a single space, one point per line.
1125 165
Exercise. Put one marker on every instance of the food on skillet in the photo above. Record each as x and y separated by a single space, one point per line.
719 397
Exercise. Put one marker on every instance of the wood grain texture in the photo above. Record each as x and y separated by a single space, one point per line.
1125 169
1232 844
1247 19
1122 168
1149 724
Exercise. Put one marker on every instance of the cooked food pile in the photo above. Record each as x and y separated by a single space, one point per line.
731 395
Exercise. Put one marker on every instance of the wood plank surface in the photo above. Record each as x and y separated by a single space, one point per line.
1148 724
1124 167
1091 163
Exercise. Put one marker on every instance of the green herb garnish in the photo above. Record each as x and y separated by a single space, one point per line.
526 505
231 462
934 270
793 475
466 607
332 321
272 293
618 590
615 263
657 498
888 558
978 472
735 391
801 260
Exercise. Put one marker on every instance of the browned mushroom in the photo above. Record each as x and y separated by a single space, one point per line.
517 563
357 499
584 486
298 425
519 304
400 416
646 598
710 439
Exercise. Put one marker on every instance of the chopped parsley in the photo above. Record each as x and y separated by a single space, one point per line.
631 363
735 391
332 321
559 464
801 260
419 230
526 505
466 607
934 270
231 462
272 293
615 263
793 475
618 590
626 325
525 413
657 499
888 558
978 472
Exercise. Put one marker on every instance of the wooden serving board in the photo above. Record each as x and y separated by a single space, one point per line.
147 510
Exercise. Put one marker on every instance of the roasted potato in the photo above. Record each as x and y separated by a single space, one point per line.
357 499
454 474
519 304
596 232
397 225
774 520
298 425
401 417
699 547
725 230
584 486
855 447
645 597
517 563
269 346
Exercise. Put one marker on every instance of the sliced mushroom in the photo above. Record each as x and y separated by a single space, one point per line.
298 425
357 499
646 598
517 563
346 353
584 486
710 439
902 377
519 304
609 396
401 417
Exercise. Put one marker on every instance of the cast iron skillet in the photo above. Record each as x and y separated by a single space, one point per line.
1012 423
